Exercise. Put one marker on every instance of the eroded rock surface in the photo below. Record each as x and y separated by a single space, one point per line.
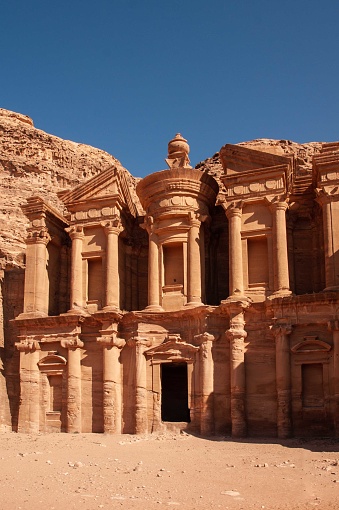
33 162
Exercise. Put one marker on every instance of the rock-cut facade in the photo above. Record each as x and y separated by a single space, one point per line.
208 301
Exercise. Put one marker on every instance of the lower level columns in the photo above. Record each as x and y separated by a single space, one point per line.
335 328
207 384
112 405
237 335
283 379
29 386
141 419
73 383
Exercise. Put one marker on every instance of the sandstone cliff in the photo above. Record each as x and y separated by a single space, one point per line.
33 162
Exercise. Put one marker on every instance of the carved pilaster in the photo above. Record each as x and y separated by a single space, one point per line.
194 260
28 420
281 332
141 422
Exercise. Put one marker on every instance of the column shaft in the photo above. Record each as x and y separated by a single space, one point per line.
153 272
194 263
281 275
76 269
74 391
207 388
141 425
29 391
36 280
336 378
112 266
112 390
238 388
283 382
235 251
328 245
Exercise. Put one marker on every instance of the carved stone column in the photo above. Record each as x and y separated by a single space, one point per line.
76 234
334 325
194 262
36 280
207 384
237 335
281 275
330 248
29 386
283 379
112 231
73 383
153 267
112 346
236 276
141 425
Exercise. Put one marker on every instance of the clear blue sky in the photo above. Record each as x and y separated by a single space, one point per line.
126 75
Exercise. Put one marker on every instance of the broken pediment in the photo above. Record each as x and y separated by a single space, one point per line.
237 159
108 184
311 344
173 349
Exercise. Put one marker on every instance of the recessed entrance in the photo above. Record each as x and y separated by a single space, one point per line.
174 392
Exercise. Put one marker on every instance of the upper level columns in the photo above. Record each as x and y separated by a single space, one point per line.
194 261
36 281
280 260
234 213
329 205
153 266
112 231
76 234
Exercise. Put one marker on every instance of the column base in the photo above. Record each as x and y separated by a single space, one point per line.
77 311
31 315
193 304
281 293
334 288
111 308
153 308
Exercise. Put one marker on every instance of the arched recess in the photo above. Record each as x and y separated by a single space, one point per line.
52 392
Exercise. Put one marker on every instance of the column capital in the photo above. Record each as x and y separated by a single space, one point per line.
38 236
233 209
236 332
278 202
28 345
279 330
113 226
111 341
205 337
140 342
71 343
75 231
149 224
333 325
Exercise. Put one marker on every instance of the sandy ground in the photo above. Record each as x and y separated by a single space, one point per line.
90 471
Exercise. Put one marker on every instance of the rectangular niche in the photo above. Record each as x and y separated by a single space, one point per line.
173 264
257 254
312 385
94 280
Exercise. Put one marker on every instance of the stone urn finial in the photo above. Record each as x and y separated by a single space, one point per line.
178 150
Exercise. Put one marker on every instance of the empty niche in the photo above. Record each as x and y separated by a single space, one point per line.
312 385
173 264
94 279
257 261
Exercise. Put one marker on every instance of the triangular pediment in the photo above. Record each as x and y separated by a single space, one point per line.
110 183
235 159
173 349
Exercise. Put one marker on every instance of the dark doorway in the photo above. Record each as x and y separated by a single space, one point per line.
174 392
